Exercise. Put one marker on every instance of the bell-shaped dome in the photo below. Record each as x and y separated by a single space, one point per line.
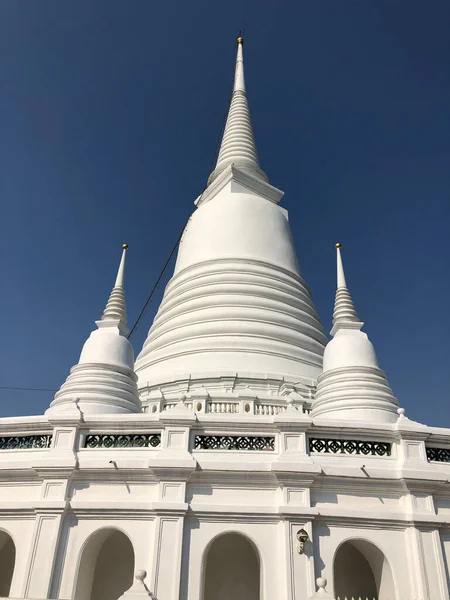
349 348
236 302
105 346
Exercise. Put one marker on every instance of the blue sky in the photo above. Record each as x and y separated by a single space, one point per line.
109 117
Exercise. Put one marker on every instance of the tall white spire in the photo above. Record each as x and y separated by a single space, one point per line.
352 386
115 310
238 143
239 79
344 309
103 381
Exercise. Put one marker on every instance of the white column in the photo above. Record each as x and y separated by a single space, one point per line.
42 555
55 469
166 572
299 567
172 466
426 564
416 561
440 565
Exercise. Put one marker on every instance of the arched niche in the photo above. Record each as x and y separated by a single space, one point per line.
231 569
106 566
362 570
7 562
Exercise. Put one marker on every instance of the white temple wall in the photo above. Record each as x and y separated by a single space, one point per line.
391 541
43 553
435 575
12 491
80 532
20 530
354 575
442 505
361 499
165 575
445 546
172 548
256 494
297 570
240 579
107 566
265 536
172 502
113 491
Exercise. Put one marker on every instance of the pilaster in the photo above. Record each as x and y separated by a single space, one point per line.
298 564
416 561
176 439
55 471
293 456
166 573
411 446
43 552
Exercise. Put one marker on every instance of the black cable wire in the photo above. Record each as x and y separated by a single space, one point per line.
141 314
25 389
214 160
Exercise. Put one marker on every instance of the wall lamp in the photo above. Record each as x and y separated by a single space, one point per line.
302 537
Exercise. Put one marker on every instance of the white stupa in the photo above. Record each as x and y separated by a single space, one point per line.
264 462
351 386
236 306
103 381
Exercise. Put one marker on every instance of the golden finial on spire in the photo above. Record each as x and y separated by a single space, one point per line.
240 40
338 245
125 246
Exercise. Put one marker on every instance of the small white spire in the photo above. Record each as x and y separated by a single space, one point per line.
340 267
115 310
239 79
103 381
238 143
121 271
352 387
344 314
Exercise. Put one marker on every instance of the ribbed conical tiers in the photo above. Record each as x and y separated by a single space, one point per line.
236 305
352 387
103 381
238 143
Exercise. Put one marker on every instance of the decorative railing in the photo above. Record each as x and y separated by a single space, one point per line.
234 442
269 409
171 405
209 407
438 454
26 442
364 447
225 407
107 440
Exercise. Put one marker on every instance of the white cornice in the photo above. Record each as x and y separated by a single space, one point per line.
234 174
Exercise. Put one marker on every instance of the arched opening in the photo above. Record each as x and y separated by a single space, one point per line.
232 570
362 570
106 567
7 562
